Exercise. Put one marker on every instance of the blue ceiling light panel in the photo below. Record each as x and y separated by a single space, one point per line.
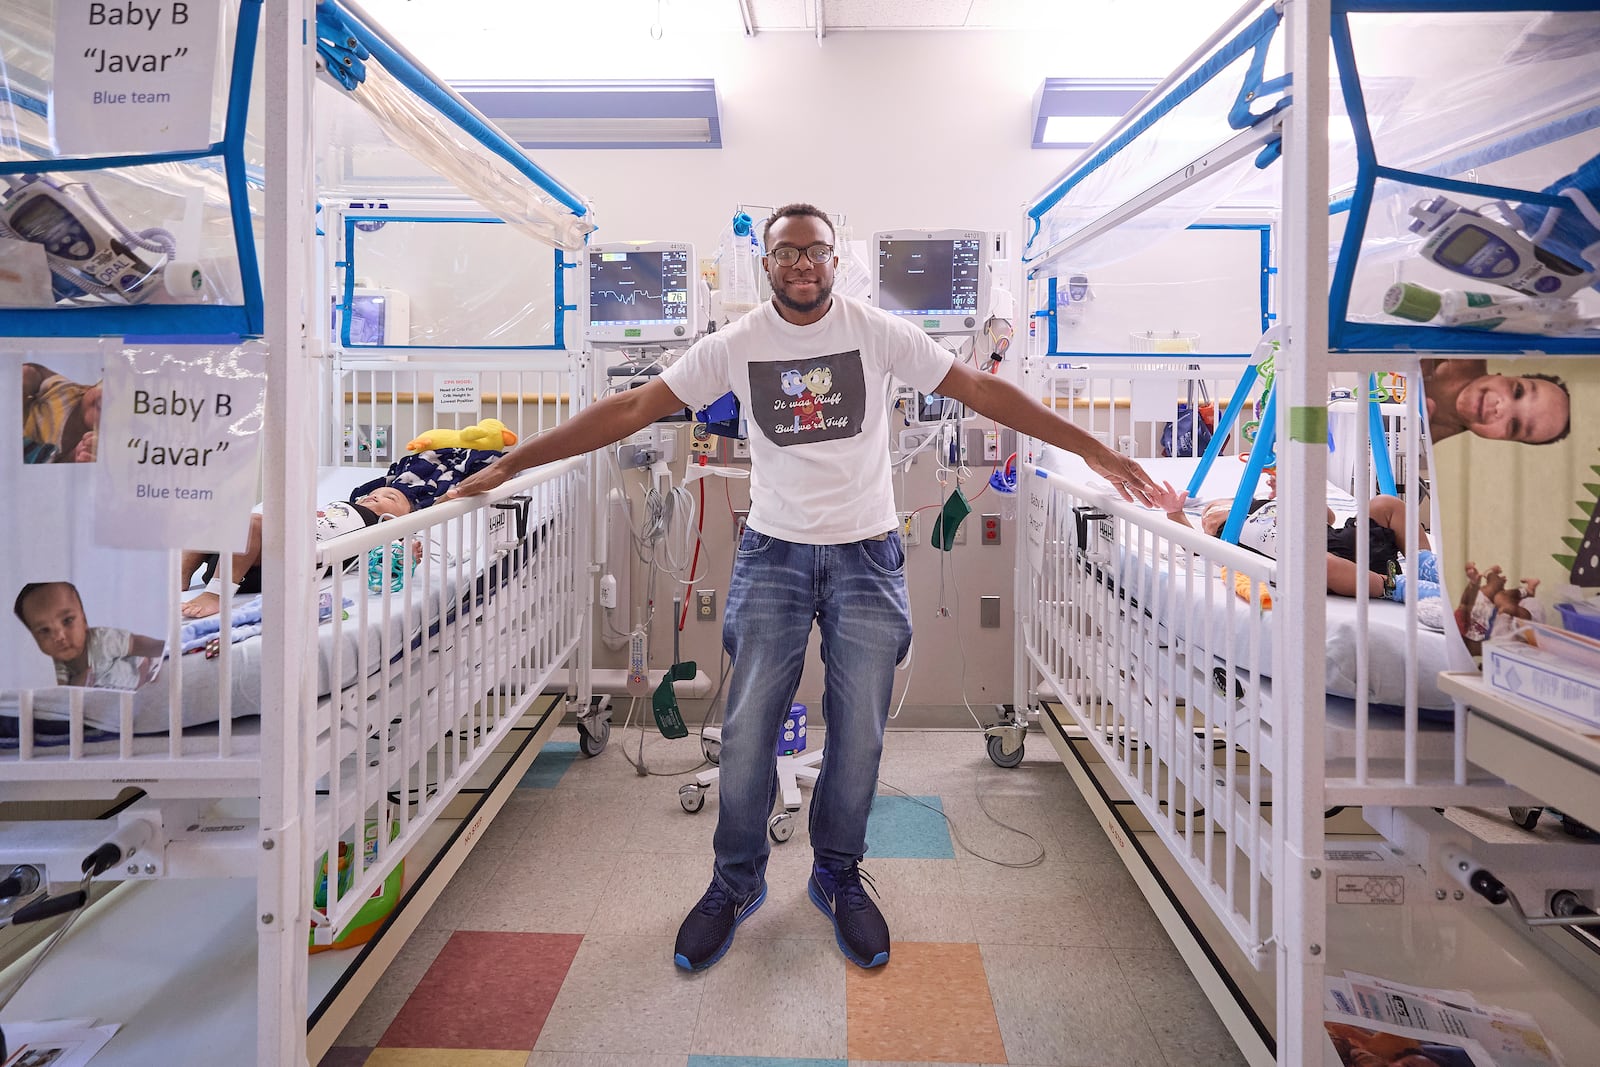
674 113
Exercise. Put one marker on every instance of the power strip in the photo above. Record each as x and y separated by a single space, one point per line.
638 677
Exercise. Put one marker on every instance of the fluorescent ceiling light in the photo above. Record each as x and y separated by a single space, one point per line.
1080 130
680 113
1074 112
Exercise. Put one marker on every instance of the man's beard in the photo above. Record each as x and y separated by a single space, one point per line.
824 292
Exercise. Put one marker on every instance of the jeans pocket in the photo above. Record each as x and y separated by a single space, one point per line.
887 556
753 543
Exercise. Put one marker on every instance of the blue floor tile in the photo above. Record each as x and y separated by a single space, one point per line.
761 1061
549 765
901 828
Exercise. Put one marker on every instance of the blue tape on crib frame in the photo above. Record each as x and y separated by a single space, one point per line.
448 106
349 289
562 307
21 99
1051 317
169 319
1264 25
234 169
1366 162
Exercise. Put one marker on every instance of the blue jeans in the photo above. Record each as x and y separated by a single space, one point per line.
857 595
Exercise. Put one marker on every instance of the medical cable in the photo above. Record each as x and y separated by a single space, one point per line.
639 765
955 834
966 701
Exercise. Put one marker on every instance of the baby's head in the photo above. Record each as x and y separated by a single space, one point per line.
53 614
386 502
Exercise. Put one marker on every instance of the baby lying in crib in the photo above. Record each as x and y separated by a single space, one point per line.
411 483
1387 575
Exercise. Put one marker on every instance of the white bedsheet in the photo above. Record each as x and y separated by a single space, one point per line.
1221 622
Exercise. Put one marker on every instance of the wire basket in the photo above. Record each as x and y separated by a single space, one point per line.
1173 341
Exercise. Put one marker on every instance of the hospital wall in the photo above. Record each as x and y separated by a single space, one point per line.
886 129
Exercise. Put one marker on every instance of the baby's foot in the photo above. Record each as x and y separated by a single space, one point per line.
204 605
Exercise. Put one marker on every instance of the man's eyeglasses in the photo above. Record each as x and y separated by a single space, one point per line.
788 255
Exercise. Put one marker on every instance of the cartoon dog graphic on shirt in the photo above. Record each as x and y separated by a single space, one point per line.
794 384
819 383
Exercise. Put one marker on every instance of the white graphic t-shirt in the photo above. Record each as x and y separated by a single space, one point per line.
815 400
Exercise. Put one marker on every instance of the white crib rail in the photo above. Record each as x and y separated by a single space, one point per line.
1126 619
497 588
1129 404
529 391
1161 696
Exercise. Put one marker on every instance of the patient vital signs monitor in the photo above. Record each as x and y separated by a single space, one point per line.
642 292
935 278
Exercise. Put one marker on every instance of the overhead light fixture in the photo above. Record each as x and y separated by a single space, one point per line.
676 113
1075 112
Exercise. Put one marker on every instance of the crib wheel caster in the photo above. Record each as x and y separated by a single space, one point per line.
712 750
592 741
998 754
691 797
1526 818
781 826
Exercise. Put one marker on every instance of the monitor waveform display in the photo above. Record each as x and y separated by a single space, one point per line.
643 288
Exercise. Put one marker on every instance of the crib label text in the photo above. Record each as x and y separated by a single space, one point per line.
179 444
173 455
133 76
162 492
180 406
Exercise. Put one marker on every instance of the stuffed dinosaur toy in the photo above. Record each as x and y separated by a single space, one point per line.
490 435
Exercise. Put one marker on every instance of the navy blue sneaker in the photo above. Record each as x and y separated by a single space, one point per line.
858 925
707 931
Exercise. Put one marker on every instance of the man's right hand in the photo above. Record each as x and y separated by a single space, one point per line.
480 482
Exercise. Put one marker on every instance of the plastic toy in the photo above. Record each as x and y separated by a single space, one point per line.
377 908
490 435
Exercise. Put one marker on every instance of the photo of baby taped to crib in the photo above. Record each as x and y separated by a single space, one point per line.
1515 472
83 614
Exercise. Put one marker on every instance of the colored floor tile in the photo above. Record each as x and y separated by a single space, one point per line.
930 1004
549 765
759 1061
345 1057
445 1057
483 991
908 828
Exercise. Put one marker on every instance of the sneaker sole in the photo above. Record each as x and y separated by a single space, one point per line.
683 961
822 905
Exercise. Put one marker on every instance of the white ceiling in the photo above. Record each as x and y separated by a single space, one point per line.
895 14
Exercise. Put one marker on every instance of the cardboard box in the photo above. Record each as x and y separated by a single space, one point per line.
1545 682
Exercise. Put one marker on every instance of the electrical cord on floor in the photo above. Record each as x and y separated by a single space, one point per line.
955 834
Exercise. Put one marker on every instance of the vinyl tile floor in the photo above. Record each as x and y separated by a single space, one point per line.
552 947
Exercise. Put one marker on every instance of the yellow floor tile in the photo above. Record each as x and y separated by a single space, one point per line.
930 1003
